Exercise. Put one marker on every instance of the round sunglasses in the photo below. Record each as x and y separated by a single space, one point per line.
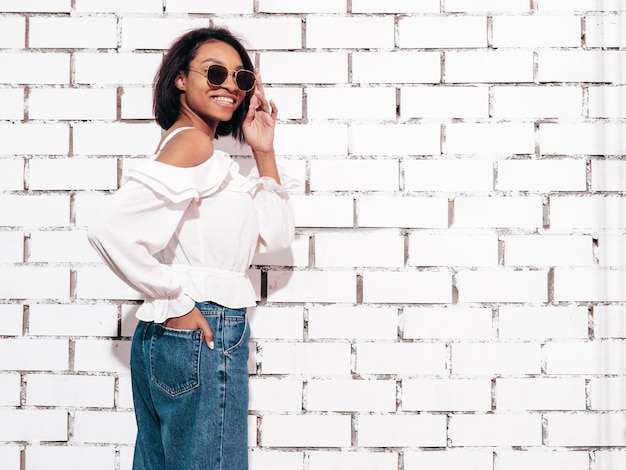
217 74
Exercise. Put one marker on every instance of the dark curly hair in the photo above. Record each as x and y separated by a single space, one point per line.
166 97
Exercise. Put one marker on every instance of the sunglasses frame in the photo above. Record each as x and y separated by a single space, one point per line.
233 73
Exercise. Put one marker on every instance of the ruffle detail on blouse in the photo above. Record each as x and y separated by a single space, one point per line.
266 183
179 184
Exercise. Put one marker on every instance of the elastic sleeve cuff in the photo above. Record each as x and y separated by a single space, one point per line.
162 309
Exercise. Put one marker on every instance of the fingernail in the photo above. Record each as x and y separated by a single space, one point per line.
211 345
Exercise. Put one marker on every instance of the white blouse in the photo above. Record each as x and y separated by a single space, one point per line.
184 235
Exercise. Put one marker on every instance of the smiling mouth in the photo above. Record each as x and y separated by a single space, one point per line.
224 99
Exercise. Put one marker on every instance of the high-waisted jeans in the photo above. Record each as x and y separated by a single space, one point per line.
191 402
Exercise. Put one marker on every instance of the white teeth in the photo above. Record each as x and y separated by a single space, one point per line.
224 99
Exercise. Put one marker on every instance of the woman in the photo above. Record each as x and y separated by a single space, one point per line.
182 230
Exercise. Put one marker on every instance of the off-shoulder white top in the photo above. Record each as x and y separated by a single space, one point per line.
184 235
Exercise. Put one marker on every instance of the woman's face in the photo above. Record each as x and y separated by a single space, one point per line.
212 103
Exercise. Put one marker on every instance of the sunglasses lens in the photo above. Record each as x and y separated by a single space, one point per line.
216 74
245 80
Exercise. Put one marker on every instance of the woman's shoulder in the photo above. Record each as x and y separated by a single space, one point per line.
185 148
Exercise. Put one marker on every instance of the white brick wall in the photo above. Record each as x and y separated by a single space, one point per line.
455 295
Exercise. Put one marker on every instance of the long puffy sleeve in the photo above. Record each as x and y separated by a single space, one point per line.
275 212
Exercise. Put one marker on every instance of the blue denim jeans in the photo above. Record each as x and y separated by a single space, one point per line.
191 402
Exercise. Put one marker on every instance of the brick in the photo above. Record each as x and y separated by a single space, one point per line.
349 32
444 102
104 427
587 138
305 430
323 211
126 457
155 33
539 459
513 6
586 430
70 390
448 175
13 32
542 322
11 247
115 138
608 321
260 458
29 354
305 67
495 430
541 175
311 286
608 175
605 31
496 358
102 356
401 430
33 425
596 212
311 139
396 66
276 322
351 395
40 457
26 282
73 103
61 246
34 139
395 6
467 459
36 6
359 249
446 395
470 138
288 101
360 460
582 5
11 319
119 6
436 32
10 456
589 284
136 103
365 175
86 205
82 32
72 320
482 66
337 322
559 101
351 103
502 286
401 358
73 173
200 6
395 139
498 212
589 357
12 174
581 66
297 254
548 250
453 250
271 394
34 210
124 68
129 319
609 459
25 68
548 31
288 6
446 322
305 358
10 388
407 287
606 393
397 211
540 394
12 104
267 32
